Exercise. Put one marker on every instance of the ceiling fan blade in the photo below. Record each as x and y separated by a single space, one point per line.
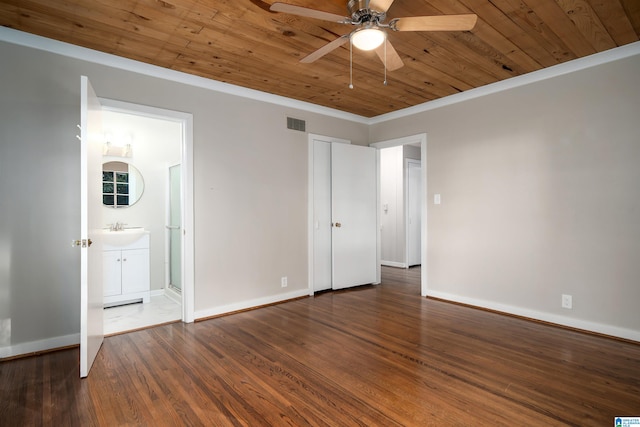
309 13
436 23
393 59
380 5
325 49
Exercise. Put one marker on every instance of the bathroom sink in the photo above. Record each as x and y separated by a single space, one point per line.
122 237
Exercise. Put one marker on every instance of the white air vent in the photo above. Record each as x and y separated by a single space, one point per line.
296 124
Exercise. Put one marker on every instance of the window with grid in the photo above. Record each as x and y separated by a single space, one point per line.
115 188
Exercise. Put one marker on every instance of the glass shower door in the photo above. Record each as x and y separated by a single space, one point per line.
175 227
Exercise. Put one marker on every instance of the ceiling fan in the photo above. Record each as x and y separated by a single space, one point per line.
369 16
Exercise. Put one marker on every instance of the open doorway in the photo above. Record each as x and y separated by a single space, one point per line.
159 147
400 216
408 162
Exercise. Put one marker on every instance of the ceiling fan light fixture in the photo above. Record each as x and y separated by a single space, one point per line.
368 38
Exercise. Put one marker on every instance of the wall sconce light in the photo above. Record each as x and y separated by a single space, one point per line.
118 145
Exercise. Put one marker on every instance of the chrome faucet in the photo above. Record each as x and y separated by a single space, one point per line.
118 226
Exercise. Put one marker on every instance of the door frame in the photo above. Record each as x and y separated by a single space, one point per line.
188 260
420 138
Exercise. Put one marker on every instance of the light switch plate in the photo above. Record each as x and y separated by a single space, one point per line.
436 199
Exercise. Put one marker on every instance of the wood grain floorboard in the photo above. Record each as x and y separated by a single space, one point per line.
369 356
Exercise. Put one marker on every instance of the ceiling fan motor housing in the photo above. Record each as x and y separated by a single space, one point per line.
362 13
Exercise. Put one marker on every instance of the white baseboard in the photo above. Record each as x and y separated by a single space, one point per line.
614 331
156 292
244 305
394 264
40 345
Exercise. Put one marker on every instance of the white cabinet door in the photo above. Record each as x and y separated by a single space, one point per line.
354 214
135 270
111 266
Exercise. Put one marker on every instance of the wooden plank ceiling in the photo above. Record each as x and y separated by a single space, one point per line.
241 42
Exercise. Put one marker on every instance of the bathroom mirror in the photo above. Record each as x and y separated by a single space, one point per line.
122 185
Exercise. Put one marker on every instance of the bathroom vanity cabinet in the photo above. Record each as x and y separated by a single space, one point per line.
126 272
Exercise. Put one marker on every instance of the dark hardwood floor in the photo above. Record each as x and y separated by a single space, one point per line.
374 355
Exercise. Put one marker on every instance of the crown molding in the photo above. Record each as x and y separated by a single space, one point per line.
21 38
596 59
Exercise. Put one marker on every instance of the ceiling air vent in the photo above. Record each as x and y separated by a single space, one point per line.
296 124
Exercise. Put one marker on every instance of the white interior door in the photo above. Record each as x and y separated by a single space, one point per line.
91 293
414 214
354 207
321 215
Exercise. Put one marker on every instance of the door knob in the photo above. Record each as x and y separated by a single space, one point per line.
84 243
338 225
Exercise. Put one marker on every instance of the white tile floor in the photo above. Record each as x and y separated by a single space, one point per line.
135 316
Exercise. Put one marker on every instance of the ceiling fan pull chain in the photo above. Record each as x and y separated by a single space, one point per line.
385 60
350 64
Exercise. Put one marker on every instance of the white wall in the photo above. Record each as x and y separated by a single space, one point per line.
39 202
540 197
156 144
250 175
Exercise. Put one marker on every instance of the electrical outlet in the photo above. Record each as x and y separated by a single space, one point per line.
567 301
283 281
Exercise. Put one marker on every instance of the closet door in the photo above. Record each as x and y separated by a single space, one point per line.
321 215
354 210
